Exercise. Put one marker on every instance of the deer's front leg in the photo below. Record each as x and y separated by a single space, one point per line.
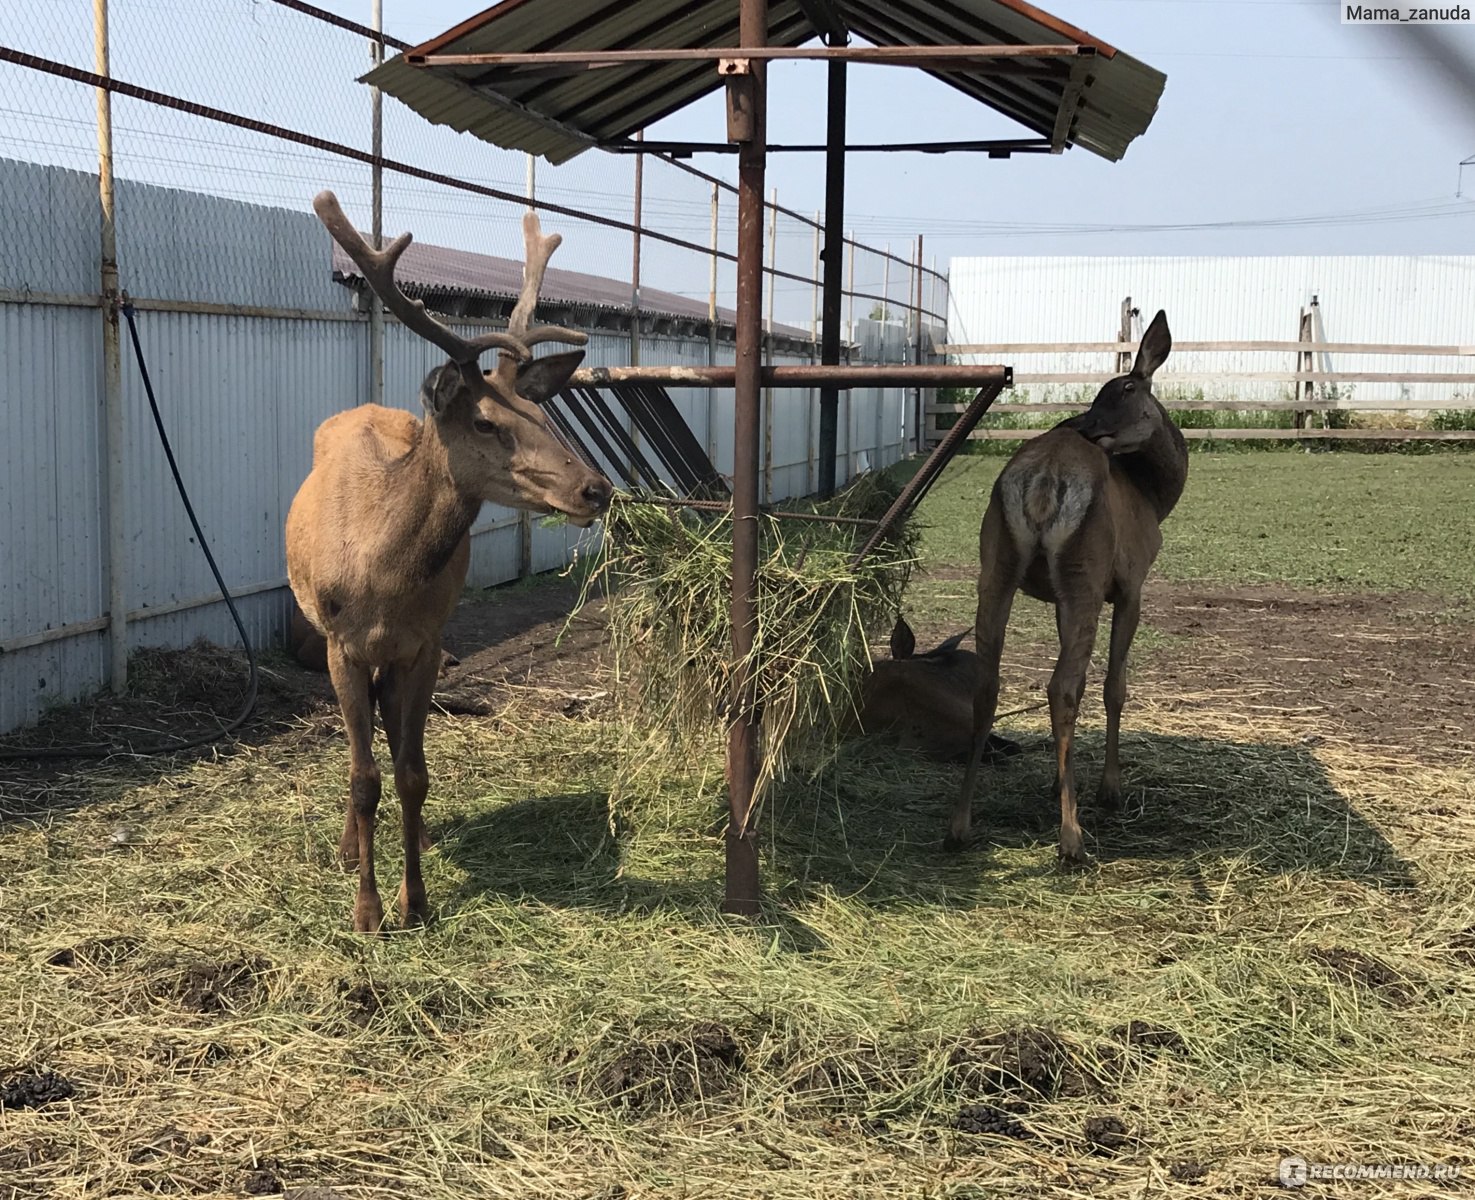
353 684
1124 617
404 697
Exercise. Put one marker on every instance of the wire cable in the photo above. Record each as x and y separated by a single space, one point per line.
249 705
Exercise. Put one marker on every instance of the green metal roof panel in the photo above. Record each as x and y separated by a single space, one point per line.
559 116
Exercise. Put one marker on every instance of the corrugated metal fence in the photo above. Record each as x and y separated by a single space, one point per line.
241 396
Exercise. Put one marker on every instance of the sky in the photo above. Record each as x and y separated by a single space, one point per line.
1272 110
1280 131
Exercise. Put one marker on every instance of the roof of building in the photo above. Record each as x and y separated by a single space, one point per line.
425 269
559 115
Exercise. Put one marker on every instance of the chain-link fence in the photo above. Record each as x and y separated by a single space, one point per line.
284 68
225 118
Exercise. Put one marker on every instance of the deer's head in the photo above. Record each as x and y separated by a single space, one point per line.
1125 414
499 444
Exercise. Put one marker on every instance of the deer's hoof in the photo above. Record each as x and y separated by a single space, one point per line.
954 844
368 915
1074 859
414 911
1109 799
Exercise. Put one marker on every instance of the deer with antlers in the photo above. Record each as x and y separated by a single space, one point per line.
378 536
1074 520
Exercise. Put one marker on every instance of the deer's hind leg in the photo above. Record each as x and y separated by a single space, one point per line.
1077 609
353 683
999 575
404 697
1124 617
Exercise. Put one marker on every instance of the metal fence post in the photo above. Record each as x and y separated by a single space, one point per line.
768 356
811 410
918 414
635 281
115 433
525 518
847 396
712 335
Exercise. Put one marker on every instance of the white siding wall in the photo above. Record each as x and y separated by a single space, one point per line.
240 397
1394 299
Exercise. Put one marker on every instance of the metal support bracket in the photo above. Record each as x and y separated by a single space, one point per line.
741 105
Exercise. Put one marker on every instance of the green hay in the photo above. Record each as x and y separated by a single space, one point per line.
667 577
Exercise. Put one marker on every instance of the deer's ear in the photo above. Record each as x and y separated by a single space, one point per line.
1156 343
442 388
543 378
903 640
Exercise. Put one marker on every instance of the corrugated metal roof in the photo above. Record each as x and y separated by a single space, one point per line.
560 116
425 268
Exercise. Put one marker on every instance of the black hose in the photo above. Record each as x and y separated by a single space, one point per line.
250 702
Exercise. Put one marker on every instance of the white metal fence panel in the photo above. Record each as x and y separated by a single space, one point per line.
1394 299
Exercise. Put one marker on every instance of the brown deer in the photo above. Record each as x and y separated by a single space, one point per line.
1073 520
378 536
925 701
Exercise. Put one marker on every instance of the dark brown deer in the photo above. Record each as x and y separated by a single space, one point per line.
378 535
925 701
1074 520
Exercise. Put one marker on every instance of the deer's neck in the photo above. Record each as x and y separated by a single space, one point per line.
1160 468
430 514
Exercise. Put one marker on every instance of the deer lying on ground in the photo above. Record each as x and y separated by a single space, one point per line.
378 536
925 701
1073 520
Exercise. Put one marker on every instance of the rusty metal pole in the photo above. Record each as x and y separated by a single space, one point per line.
833 255
746 126
376 194
115 431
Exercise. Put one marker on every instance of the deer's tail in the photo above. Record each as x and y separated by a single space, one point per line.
1043 506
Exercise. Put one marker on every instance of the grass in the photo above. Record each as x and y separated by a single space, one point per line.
1291 915
1335 521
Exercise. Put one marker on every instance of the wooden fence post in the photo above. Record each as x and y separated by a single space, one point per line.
1305 363
1124 334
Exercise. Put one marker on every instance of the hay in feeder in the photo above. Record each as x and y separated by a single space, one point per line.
667 574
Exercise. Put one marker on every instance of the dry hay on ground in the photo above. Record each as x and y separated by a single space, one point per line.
1272 955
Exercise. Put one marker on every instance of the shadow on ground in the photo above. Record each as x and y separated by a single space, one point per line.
871 827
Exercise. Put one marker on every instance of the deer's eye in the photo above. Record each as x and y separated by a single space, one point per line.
491 429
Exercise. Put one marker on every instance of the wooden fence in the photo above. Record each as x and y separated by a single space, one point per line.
1309 387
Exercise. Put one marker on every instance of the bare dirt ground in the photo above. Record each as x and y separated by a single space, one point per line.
1376 670
1381 670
